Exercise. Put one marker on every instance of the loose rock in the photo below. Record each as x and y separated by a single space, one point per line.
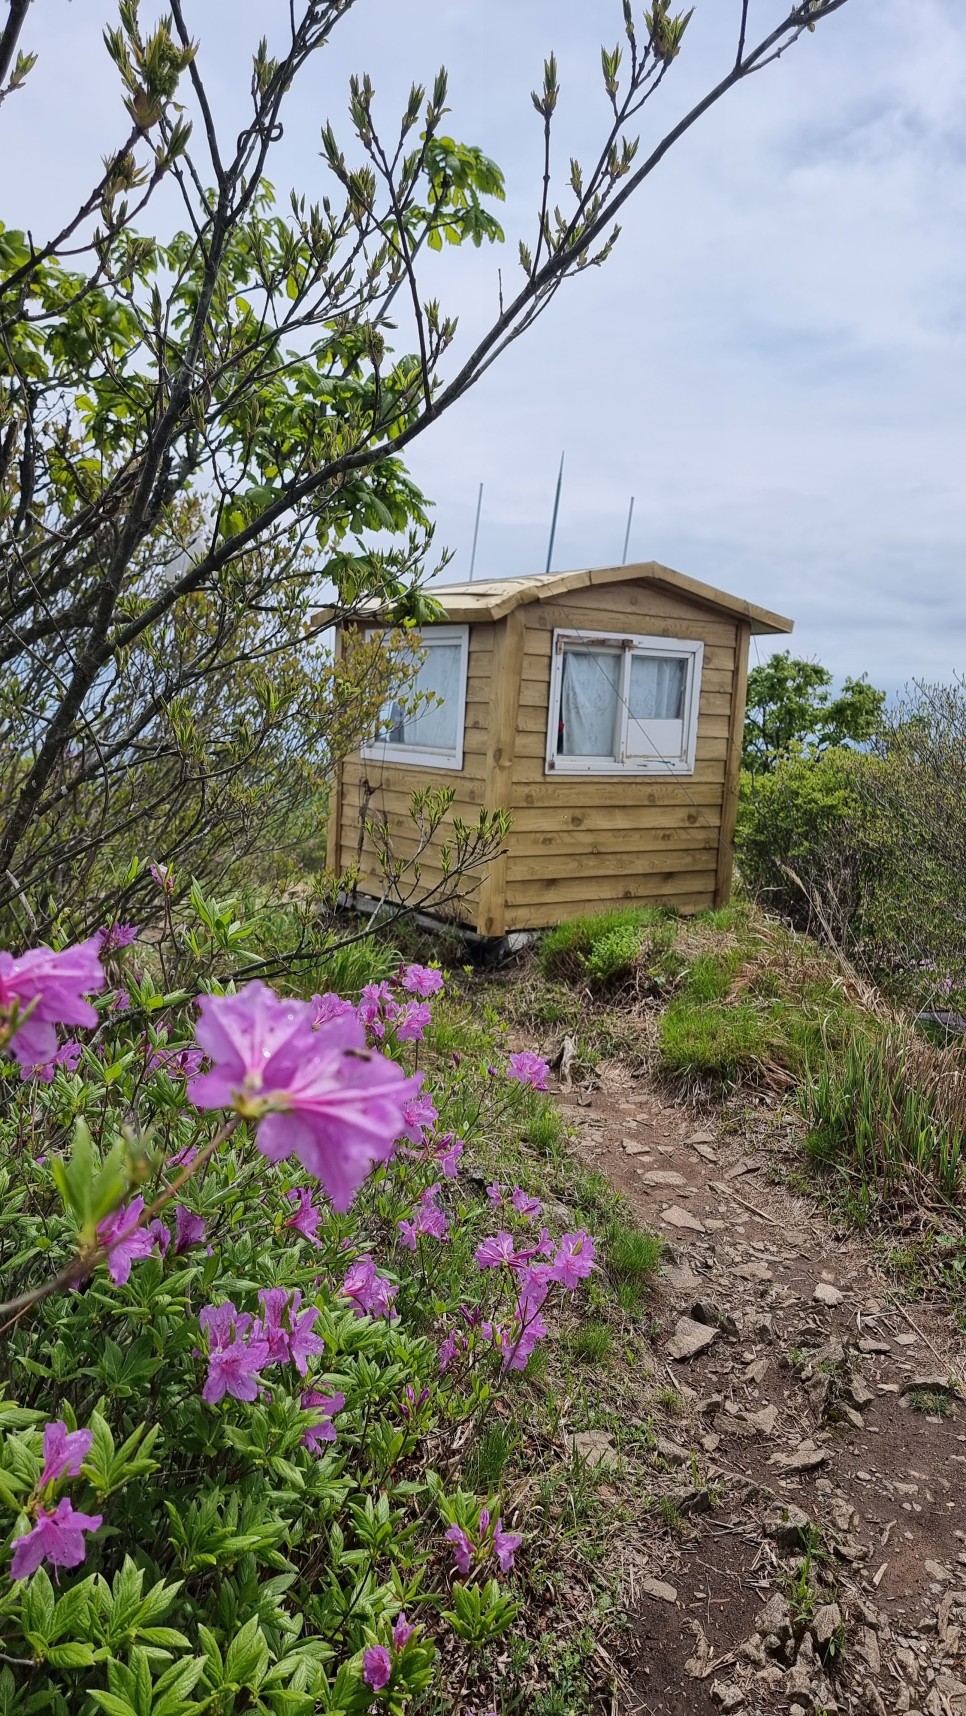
826 1294
690 1338
807 1457
658 1589
673 1216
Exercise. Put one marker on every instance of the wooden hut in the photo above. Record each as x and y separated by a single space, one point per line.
604 710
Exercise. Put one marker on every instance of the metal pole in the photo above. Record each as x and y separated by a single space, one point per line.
556 508
627 533
476 529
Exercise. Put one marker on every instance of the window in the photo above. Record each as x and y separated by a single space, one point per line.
623 704
424 723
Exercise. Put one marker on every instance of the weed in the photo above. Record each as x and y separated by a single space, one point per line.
672 1516
933 1401
492 1453
671 1400
633 1258
592 1343
547 1128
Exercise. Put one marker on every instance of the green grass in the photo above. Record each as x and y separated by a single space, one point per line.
604 950
932 1401
633 1258
592 1343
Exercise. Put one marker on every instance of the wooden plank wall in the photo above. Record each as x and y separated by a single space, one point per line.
580 844
392 785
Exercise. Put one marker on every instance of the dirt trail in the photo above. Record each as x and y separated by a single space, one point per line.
796 1368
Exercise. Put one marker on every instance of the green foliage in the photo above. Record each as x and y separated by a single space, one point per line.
799 830
790 708
889 1110
608 949
633 1257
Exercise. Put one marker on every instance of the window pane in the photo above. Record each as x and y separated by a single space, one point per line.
433 727
658 684
589 698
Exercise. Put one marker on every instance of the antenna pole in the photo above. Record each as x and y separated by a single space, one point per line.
556 509
627 533
476 529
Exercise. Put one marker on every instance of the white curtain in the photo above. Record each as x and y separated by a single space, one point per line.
657 688
589 698
433 726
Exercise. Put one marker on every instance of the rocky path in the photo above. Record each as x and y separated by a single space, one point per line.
819 1560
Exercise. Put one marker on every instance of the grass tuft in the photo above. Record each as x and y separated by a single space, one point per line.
633 1258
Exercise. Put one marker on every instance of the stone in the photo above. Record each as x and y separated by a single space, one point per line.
859 1392
936 1570
775 1619
594 1447
787 1525
701 1136
930 1385
867 1645
826 1622
674 1216
807 1457
672 1452
727 1695
763 1421
753 1271
706 1311
663 1177
757 1371
657 1589
689 1339
634 1147
826 1294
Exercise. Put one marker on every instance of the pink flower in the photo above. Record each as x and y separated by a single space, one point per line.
275 1302
120 1001
529 1069
179 1063
376 1008
419 1114
53 986
320 1095
328 1006
303 1344
306 1218
525 1206
376 1667
505 1546
402 1632
422 980
412 1023
495 1251
449 1152
574 1259
234 1363
462 1549
56 1537
188 1229
517 1350
495 1194
322 1430
117 936
68 1056
429 1219
159 1234
371 1292
163 877
125 1242
453 1344
64 1452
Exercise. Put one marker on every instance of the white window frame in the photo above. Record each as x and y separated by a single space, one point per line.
630 645
421 756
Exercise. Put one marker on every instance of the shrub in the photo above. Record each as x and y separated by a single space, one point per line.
608 949
890 1111
228 1440
803 818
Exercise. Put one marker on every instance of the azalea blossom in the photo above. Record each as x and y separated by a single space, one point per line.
525 1206
495 1194
495 1251
428 1219
376 1667
402 1632
159 1234
57 1537
234 1361
377 1008
329 1006
574 1259
163 877
412 1022
422 980
322 1430
505 1546
462 1549
371 1292
317 1094
116 936
306 1218
53 986
419 1115
64 1452
124 1241
189 1229
529 1069
68 1056
449 1153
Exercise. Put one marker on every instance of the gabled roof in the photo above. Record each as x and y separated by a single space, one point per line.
495 598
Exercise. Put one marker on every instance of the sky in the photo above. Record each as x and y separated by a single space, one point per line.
773 360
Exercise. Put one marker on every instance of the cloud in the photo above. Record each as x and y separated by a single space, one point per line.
773 360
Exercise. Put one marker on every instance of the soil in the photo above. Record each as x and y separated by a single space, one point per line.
795 1402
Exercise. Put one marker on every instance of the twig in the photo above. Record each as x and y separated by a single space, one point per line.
953 1372
729 1192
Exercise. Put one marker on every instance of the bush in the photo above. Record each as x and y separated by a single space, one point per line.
890 1111
608 949
234 1439
801 822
